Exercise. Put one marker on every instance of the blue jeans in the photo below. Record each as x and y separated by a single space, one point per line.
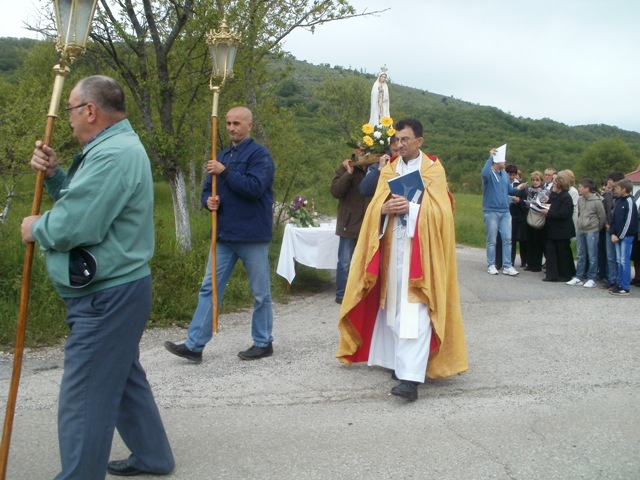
612 264
587 255
495 222
255 258
345 252
623 257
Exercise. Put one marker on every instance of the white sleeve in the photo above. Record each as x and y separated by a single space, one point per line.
414 210
384 226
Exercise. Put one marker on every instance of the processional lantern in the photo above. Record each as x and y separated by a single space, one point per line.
222 47
73 21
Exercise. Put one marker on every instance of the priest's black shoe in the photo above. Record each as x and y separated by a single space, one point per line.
406 389
181 350
256 352
121 468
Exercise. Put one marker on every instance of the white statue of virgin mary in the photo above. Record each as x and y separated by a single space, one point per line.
379 98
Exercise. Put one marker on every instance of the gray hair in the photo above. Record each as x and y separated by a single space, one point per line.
104 92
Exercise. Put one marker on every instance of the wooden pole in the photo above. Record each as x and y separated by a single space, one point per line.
214 213
60 73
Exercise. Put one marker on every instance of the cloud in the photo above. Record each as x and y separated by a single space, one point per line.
572 61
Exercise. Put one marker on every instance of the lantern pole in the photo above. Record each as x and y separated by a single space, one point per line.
222 47
73 19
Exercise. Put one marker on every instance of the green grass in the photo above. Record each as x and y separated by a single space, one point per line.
469 220
176 276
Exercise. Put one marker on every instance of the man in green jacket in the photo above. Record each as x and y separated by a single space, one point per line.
98 239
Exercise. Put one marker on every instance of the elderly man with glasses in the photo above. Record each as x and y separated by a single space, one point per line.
102 222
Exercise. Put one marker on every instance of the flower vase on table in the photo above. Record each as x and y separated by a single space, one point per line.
300 214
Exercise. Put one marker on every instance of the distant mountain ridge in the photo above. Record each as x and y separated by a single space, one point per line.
459 132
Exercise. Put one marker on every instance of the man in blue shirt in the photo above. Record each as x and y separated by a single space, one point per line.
244 203
495 208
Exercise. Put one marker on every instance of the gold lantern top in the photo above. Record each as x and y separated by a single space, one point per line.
73 19
222 47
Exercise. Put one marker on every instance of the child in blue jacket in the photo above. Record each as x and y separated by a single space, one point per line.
623 230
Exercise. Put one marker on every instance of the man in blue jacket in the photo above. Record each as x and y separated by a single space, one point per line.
102 220
244 203
495 207
623 231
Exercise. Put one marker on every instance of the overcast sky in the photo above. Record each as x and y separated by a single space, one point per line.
574 61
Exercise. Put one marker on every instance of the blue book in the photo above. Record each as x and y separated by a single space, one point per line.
409 185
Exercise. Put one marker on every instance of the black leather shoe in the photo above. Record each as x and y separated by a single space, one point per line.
406 389
181 350
255 352
121 468
393 375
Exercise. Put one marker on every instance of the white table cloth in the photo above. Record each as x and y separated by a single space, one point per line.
315 247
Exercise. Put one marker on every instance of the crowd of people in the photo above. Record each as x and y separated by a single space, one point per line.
541 218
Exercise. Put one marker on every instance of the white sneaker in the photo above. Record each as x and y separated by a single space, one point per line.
492 270
589 284
576 281
512 272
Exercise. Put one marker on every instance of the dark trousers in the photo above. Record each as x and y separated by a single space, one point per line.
523 252
535 248
635 258
499 252
602 255
559 260
104 386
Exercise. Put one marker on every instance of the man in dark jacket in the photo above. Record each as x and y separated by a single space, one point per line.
610 271
351 207
623 230
244 203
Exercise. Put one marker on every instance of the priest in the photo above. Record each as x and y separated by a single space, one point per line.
401 308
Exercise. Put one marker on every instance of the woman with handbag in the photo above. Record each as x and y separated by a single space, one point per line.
535 232
560 229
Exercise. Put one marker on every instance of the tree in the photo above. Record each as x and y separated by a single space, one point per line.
265 24
158 48
605 156
346 101
163 66
23 118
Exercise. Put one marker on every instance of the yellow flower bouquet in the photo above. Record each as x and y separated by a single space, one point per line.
374 138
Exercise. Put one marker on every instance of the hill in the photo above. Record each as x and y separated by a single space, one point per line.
320 105
459 132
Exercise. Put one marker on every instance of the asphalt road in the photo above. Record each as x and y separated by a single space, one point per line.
552 392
